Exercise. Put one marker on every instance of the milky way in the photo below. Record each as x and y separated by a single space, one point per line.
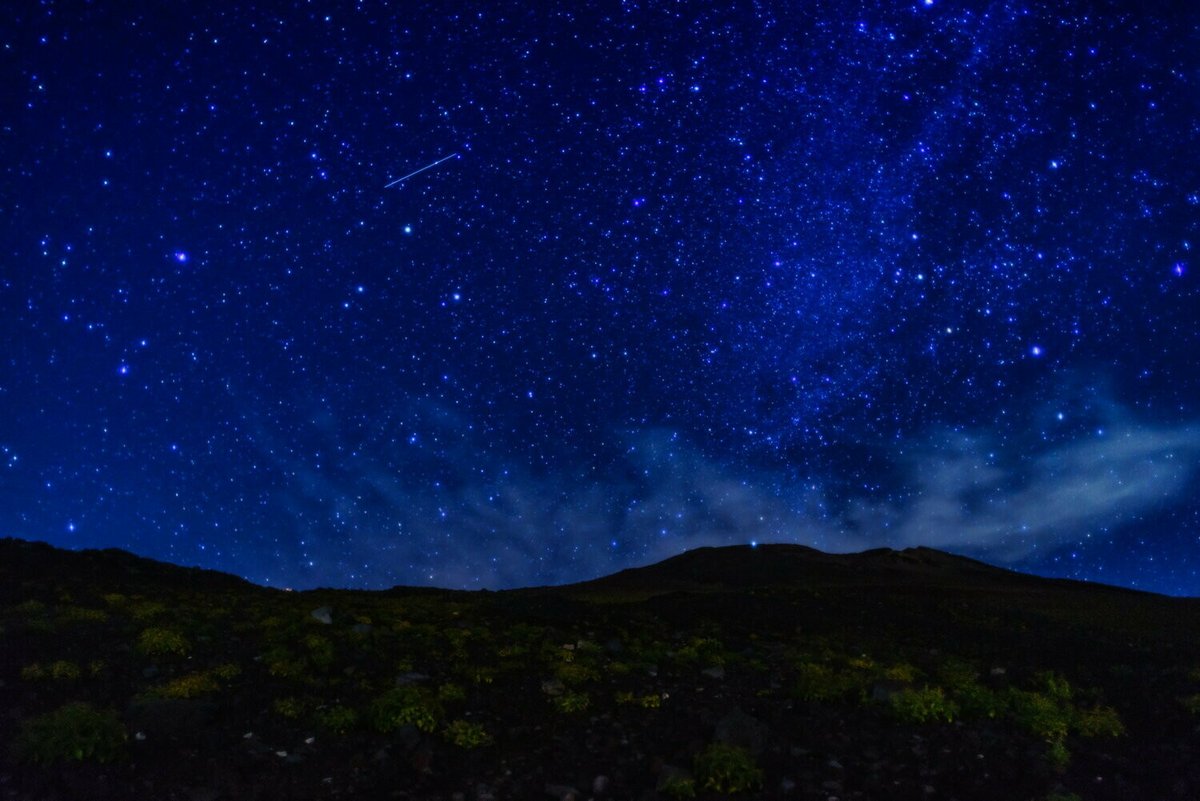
837 274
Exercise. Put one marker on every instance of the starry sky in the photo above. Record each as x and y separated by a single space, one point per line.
845 274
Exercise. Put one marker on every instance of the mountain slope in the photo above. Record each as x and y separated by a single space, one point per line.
882 675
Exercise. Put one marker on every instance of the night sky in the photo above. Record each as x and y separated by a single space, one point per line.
842 274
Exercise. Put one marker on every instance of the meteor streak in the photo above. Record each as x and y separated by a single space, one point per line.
423 169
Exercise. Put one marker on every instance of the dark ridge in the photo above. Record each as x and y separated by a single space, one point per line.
26 566
745 566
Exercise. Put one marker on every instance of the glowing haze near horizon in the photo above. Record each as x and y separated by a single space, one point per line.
846 275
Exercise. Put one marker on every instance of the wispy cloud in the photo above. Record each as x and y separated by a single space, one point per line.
453 514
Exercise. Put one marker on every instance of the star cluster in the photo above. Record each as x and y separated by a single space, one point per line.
848 275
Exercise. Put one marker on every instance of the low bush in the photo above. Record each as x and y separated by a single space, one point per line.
727 769
405 706
162 642
926 705
466 735
74 732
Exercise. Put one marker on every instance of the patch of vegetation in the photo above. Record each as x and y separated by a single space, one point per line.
575 673
678 787
647 701
227 671
1099 721
61 670
162 642
727 769
465 734
319 651
901 672
147 610
289 707
191 685
337 719
74 732
81 614
571 702
926 705
820 682
404 706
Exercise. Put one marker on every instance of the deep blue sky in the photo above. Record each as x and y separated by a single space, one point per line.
844 274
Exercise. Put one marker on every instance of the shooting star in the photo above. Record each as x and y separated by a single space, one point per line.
423 169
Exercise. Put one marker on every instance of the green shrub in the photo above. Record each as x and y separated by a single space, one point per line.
701 650
647 701
62 670
817 682
405 706
1054 685
146 610
925 705
727 769
191 685
466 735
320 651
901 672
571 702
1046 715
81 614
1191 703
451 693
575 673
76 732
1100 721
227 672
678 787
1058 756
977 701
288 707
337 718
162 642
1040 715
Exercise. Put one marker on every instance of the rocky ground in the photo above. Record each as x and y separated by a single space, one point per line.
886 676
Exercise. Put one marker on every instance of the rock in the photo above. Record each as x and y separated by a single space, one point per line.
831 786
714 672
553 687
361 628
202 793
614 646
997 672
738 728
883 690
411 677
787 785
600 785
562 792
323 614
150 672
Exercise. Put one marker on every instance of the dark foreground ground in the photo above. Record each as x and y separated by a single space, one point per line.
777 672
